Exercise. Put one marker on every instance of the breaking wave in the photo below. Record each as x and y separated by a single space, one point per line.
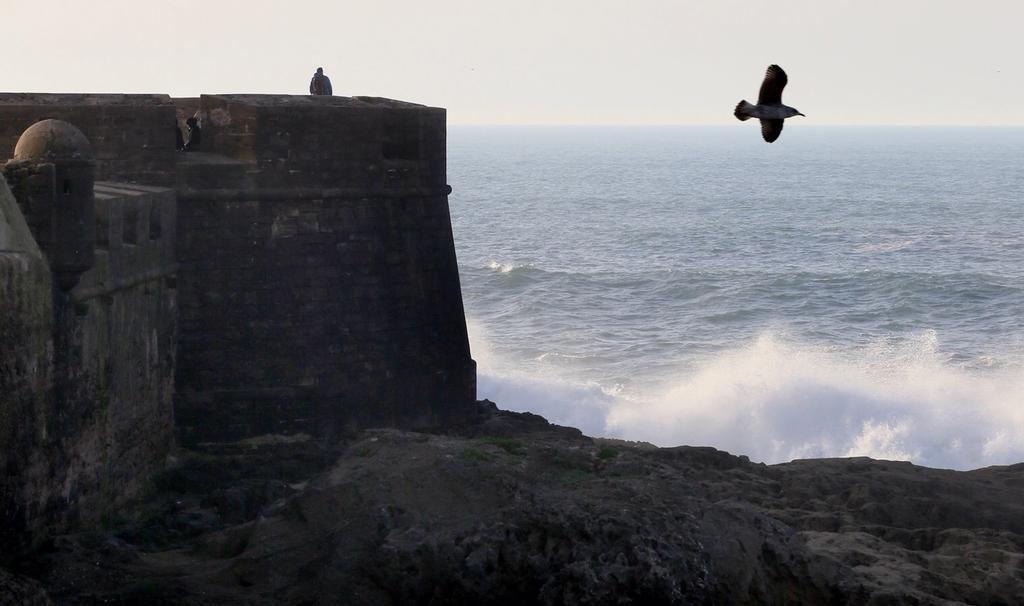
775 399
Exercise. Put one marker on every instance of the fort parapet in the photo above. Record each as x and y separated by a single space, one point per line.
296 274
128 133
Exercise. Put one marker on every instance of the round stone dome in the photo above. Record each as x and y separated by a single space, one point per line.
53 140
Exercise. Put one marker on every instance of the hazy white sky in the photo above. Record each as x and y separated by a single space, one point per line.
552 61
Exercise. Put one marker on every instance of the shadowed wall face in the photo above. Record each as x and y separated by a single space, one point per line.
319 284
115 355
26 353
86 375
318 288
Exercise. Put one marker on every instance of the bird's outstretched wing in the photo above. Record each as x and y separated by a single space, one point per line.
771 89
771 129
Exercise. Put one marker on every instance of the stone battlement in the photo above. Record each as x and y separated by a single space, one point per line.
131 135
359 144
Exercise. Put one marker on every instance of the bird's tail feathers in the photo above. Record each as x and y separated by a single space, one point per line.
742 110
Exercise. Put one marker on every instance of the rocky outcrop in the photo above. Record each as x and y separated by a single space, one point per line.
513 511
17 590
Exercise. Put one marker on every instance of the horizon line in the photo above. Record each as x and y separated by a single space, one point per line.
723 124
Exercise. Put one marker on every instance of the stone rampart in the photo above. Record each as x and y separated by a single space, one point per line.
319 286
296 274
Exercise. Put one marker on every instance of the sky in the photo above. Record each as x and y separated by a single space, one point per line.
543 62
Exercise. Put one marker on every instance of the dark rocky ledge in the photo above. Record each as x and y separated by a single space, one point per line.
513 510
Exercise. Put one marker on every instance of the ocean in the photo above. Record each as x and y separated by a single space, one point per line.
844 291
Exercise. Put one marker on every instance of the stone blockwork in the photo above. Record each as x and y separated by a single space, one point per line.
120 326
131 135
315 270
26 357
319 285
355 145
87 382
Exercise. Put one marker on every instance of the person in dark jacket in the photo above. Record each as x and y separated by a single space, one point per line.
320 84
195 133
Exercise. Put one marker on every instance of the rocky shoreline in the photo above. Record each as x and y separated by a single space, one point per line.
514 510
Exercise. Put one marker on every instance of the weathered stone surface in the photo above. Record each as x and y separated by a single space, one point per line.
511 510
319 282
26 357
318 288
319 285
52 175
130 134
358 143
86 390
120 332
53 141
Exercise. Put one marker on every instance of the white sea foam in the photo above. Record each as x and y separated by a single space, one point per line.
503 268
564 402
774 399
555 355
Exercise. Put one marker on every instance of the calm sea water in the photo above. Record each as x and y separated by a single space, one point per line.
844 291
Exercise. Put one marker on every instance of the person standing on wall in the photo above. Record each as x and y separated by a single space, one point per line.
320 84
195 131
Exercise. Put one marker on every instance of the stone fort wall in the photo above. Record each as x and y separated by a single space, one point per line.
319 285
86 375
26 371
297 274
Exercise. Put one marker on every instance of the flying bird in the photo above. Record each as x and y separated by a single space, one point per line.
769 108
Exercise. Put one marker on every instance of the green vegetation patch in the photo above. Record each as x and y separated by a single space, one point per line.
573 477
509 445
364 451
476 455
